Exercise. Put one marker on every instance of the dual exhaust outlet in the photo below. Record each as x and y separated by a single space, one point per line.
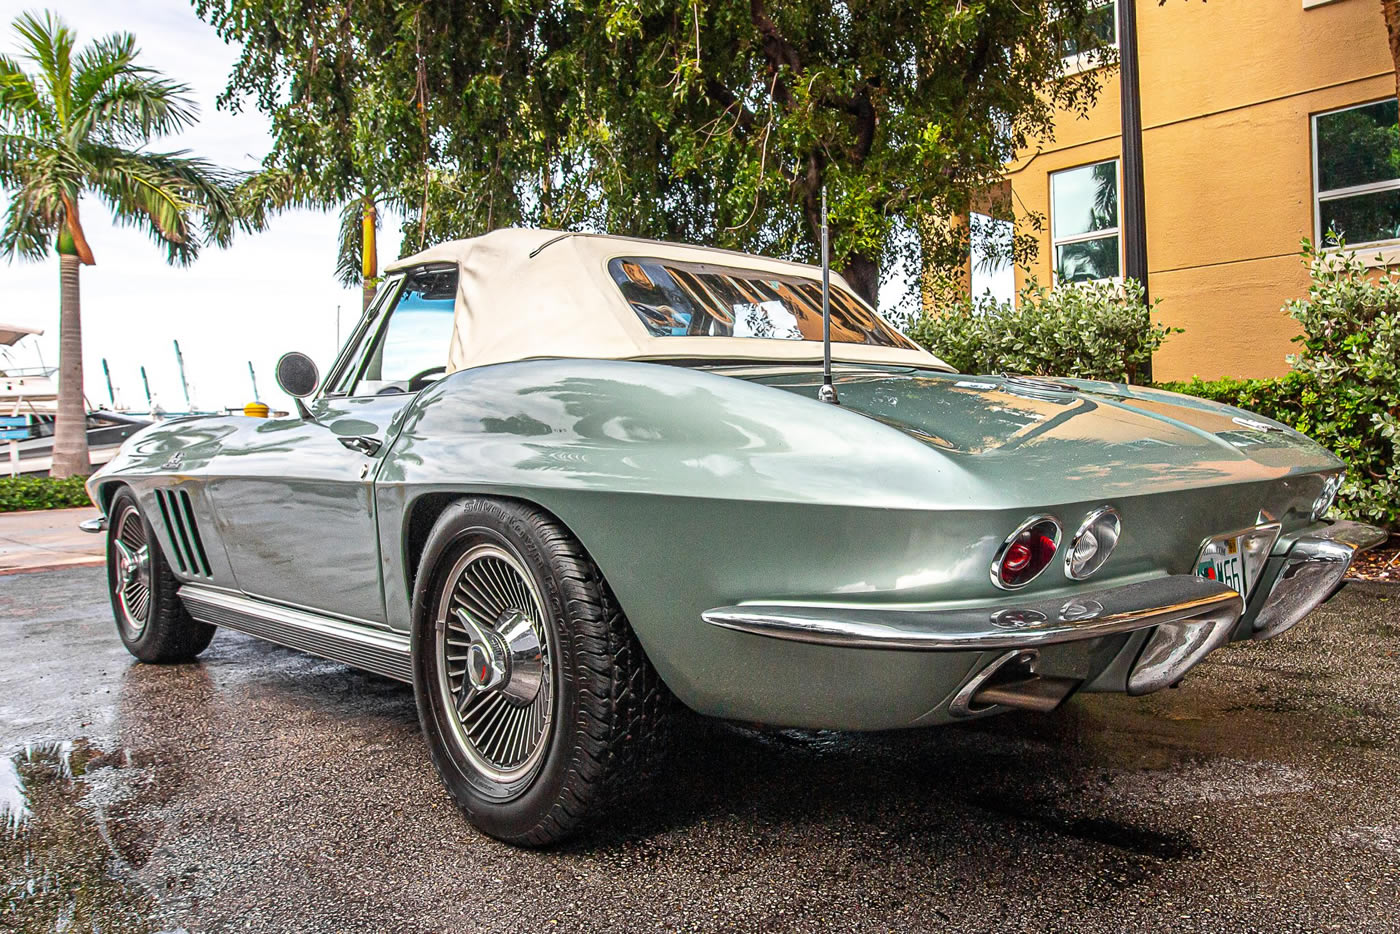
1011 681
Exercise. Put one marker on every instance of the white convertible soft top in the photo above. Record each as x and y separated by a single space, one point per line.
526 294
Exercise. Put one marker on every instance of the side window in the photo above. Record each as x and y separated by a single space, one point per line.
411 343
347 366
1357 177
1084 222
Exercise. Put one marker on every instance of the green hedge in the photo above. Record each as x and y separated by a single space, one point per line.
1094 330
1344 390
17 493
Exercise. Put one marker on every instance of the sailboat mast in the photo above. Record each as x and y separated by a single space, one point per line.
111 394
145 383
184 384
254 377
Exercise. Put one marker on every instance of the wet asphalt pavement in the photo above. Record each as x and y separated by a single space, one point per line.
264 790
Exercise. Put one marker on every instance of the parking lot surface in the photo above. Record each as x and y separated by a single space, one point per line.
264 790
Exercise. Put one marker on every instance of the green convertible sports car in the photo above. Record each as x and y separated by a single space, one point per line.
557 480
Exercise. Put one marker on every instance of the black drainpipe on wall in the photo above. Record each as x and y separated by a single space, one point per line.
1132 204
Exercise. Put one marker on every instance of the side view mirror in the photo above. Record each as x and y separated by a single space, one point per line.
298 377
297 374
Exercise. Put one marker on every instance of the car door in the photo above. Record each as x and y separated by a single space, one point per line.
297 495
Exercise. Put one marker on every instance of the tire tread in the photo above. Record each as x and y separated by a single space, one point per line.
171 634
623 705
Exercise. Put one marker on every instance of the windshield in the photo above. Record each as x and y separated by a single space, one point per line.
679 299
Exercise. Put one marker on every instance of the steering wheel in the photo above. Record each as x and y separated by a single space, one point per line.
423 379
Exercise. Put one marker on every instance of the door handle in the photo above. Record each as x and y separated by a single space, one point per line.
364 444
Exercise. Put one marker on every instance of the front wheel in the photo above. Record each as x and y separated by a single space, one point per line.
152 622
533 693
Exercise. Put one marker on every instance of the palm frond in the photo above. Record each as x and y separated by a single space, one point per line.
116 100
15 151
349 269
272 191
31 219
162 193
23 105
50 44
103 60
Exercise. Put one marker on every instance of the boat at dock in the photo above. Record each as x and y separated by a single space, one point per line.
29 409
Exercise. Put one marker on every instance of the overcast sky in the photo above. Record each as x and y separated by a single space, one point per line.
270 293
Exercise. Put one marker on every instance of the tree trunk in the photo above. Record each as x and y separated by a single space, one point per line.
369 252
1390 10
70 447
863 273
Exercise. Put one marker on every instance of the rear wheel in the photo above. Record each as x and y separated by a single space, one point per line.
153 623
534 695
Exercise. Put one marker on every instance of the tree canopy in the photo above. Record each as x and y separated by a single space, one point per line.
79 124
714 121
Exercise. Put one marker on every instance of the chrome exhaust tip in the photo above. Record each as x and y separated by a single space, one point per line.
1010 682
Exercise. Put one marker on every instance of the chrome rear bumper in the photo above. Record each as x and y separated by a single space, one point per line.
1190 617
1030 624
1311 572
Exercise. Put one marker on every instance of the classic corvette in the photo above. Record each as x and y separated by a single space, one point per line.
556 480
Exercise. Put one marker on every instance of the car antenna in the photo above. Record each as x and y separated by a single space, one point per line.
827 392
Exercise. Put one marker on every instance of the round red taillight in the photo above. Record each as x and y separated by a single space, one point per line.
1017 557
1026 552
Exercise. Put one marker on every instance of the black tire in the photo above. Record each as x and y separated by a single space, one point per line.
157 629
607 704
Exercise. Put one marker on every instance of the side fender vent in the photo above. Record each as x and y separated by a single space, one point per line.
178 515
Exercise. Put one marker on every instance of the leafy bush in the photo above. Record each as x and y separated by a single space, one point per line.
1093 330
1344 390
18 493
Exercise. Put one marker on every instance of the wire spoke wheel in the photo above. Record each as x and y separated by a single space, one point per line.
494 666
133 571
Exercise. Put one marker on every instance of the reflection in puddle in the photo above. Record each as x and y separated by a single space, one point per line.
62 854
14 803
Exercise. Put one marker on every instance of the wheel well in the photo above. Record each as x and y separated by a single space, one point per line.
105 492
424 513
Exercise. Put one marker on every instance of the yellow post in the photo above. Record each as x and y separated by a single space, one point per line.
369 249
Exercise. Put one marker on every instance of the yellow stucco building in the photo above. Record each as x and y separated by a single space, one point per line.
1264 121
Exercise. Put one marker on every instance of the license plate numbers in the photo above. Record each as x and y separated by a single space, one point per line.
1223 560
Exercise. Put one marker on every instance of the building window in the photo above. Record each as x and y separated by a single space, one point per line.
1101 22
1084 222
1356 173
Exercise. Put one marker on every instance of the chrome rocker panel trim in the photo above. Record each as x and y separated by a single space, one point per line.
1028 624
377 651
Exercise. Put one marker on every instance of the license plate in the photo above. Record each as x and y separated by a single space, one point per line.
1223 560
1236 559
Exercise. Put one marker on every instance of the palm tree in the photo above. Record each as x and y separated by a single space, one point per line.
80 125
274 190
357 259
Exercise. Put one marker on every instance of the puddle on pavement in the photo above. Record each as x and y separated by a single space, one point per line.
68 837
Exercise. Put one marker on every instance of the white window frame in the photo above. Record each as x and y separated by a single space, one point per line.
1333 194
1088 61
1101 234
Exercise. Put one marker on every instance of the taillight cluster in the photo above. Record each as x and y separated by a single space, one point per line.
1031 548
1026 552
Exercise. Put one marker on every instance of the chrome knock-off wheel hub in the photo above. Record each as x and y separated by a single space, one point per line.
133 583
494 664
